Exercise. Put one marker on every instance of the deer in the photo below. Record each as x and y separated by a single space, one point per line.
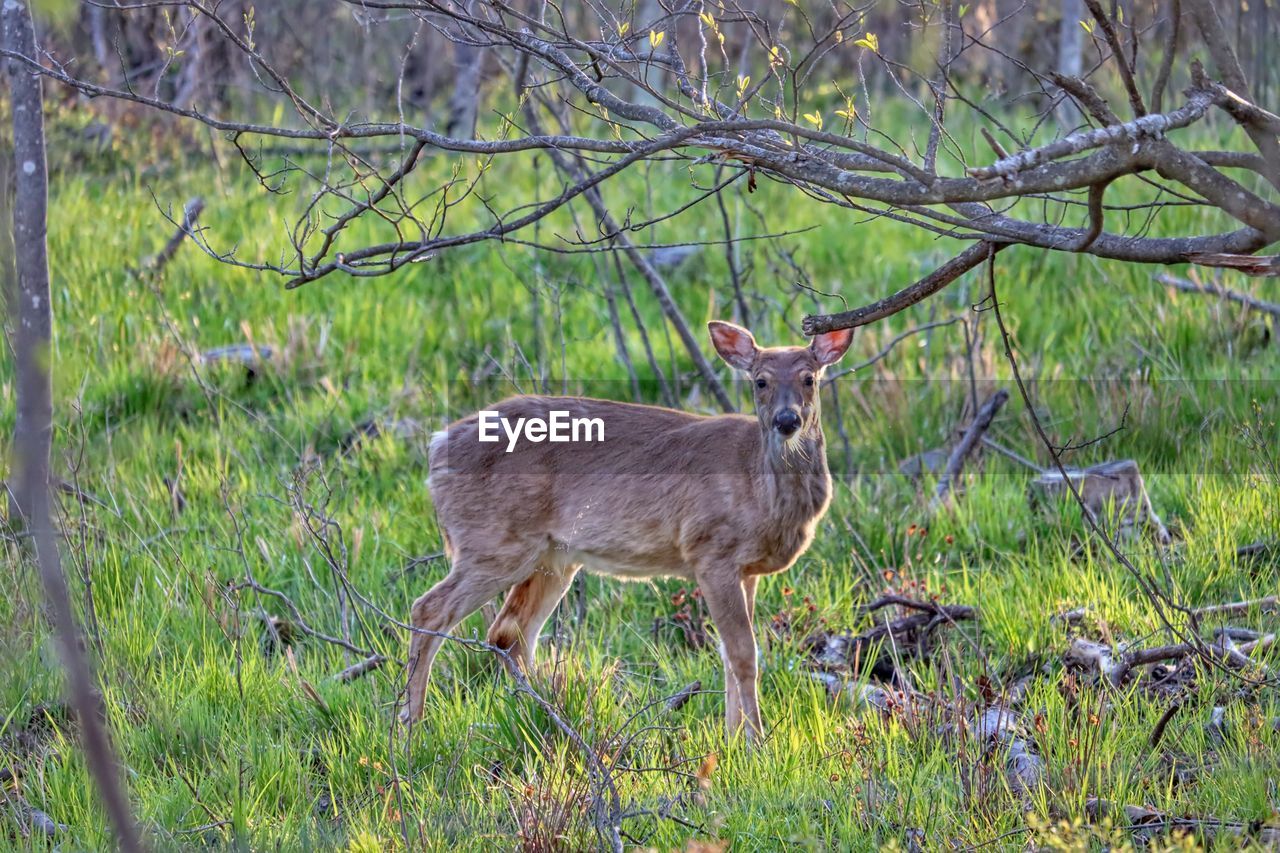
718 500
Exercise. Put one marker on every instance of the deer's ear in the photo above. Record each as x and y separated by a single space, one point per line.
734 343
828 348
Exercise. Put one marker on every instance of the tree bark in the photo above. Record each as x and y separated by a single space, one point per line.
468 63
32 315
33 434
1069 55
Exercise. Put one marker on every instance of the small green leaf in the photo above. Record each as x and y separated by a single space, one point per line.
870 41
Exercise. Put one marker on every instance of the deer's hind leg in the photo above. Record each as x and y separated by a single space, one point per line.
526 609
472 581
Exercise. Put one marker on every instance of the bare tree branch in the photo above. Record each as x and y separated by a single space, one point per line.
817 324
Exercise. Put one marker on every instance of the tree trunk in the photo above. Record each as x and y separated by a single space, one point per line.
468 61
1070 37
101 41
33 435
31 316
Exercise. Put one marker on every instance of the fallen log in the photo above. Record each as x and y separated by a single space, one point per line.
1148 822
1111 491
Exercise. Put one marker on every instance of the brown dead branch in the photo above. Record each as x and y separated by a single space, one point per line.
1247 264
1087 96
1205 14
1238 608
1255 550
1157 733
190 213
1250 302
1146 822
360 669
680 699
816 324
858 652
1115 666
972 437
1117 54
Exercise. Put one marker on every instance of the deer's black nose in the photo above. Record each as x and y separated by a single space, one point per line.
786 422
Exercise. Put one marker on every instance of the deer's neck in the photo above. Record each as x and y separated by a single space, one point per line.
797 485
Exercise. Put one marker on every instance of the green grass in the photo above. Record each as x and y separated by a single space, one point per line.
213 731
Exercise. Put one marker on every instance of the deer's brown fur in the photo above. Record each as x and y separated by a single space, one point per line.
717 500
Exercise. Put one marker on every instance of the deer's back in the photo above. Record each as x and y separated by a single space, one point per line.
625 505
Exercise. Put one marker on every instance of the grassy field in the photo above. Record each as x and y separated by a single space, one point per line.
207 475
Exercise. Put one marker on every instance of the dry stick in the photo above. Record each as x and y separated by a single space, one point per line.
1158 599
1145 820
817 324
1236 608
615 319
619 337
955 463
995 146
1238 107
1117 51
361 669
1236 296
32 443
190 213
1158 732
678 700
1247 264
1087 96
1013 455
1254 549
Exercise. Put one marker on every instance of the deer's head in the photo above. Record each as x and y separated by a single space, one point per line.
786 380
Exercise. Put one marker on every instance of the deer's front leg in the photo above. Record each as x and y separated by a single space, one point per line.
727 600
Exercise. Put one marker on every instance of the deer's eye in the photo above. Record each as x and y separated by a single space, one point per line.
808 381
760 383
